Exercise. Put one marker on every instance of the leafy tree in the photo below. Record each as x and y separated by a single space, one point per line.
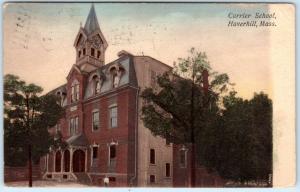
178 110
27 118
240 143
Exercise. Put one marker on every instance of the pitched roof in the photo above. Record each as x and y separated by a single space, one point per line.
78 140
91 23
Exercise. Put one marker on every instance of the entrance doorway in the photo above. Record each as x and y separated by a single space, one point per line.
78 161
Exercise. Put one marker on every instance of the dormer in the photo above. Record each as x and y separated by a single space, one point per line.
90 44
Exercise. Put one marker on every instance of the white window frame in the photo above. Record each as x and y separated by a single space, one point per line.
116 80
93 112
92 153
109 153
73 125
75 91
97 87
111 107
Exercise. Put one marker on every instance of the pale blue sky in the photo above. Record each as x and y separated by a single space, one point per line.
39 37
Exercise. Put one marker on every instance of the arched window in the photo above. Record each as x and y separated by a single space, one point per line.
75 91
96 84
116 71
97 87
115 80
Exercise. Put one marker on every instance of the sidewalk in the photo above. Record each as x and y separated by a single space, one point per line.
43 183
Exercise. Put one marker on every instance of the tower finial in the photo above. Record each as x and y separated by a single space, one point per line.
91 23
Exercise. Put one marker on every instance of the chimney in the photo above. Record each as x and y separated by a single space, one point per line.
205 80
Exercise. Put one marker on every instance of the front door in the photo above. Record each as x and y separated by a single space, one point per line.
78 161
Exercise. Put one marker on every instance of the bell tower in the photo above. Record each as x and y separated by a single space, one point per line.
90 44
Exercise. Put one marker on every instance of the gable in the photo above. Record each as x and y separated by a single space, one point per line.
74 71
81 36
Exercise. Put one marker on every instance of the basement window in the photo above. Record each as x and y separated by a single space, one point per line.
152 179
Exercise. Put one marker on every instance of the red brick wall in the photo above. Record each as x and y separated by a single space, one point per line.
123 134
21 173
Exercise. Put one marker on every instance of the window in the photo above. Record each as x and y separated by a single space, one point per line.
73 125
152 156
95 120
115 80
97 87
182 158
112 156
79 54
113 112
168 170
93 52
152 178
95 152
98 54
75 92
112 151
83 51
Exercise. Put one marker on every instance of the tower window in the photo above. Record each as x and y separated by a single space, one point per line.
83 51
79 54
93 52
152 156
98 54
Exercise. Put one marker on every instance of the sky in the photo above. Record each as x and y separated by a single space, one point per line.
39 37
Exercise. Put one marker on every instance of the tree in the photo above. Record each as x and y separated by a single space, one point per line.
178 110
27 118
240 143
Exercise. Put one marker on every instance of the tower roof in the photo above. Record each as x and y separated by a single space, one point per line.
91 23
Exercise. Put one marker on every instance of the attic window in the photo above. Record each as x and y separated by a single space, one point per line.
115 80
116 73
96 84
93 52
97 87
